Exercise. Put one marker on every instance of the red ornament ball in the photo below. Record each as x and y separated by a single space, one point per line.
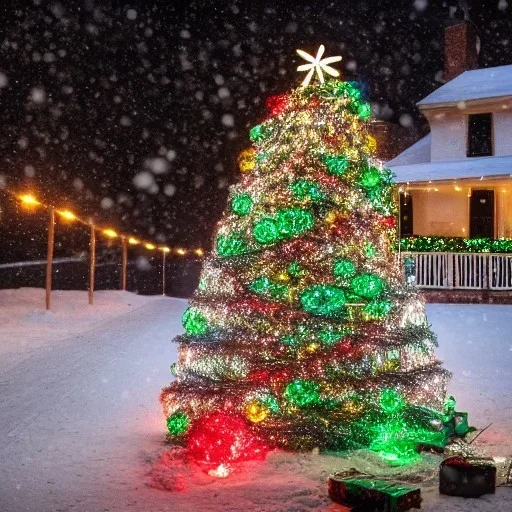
388 222
223 438
277 104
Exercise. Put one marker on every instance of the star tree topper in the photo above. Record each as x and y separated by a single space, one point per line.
317 64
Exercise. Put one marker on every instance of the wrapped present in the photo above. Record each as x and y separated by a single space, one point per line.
503 471
455 424
370 495
467 477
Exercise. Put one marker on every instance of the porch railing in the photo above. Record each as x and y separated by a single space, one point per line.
466 271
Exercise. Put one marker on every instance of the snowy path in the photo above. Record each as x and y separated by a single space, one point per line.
81 428
75 421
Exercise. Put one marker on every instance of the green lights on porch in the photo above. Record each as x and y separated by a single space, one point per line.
455 244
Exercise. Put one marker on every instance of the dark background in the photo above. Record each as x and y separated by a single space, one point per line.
133 113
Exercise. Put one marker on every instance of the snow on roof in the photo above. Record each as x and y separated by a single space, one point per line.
473 85
458 169
418 153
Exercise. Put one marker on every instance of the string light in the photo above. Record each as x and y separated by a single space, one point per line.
66 214
110 233
29 200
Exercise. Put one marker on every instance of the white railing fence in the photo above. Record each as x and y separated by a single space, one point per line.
462 271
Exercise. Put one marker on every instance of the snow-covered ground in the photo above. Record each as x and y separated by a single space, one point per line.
81 427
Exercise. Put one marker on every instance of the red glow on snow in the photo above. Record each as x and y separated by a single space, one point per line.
221 439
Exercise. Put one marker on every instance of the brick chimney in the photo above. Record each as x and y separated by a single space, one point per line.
460 49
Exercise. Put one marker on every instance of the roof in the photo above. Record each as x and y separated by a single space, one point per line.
458 169
476 84
418 153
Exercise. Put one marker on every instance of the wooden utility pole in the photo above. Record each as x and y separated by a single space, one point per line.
49 255
92 264
124 262
163 272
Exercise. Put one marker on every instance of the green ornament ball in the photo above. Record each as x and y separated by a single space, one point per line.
336 165
364 111
265 231
194 322
371 177
260 285
271 402
302 392
286 223
323 299
307 189
177 423
344 269
231 245
353 91
293 221
391 401
242 204
368 286
259 133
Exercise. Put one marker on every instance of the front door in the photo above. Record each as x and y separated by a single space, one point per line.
405 215
481 214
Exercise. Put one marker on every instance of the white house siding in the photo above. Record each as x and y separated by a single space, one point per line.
502 133
449 136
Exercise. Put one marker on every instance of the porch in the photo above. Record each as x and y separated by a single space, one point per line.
469 208
455 237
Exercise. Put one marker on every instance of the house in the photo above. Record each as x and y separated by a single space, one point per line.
456 182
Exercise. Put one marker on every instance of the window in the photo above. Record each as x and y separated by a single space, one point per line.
480 135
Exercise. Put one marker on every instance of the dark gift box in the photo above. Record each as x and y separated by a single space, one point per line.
369 495
469 478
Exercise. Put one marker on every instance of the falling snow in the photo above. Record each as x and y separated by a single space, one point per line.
153 101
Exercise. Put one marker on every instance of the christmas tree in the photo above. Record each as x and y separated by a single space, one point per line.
302 332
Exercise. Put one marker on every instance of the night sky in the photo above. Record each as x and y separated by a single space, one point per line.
135 112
